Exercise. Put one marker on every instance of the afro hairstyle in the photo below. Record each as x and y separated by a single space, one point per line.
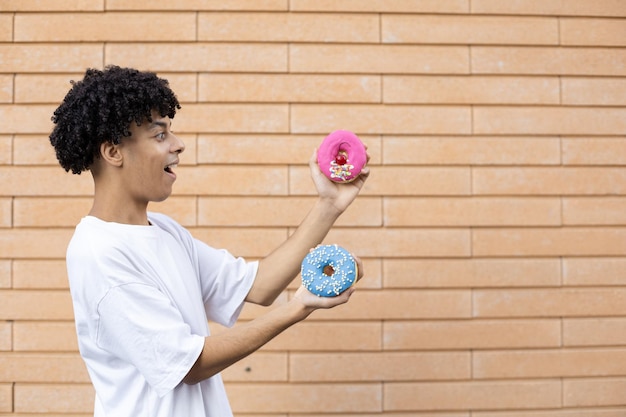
101 108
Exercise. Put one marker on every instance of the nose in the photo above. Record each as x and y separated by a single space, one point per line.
178 146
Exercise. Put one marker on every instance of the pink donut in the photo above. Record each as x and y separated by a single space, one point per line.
341 156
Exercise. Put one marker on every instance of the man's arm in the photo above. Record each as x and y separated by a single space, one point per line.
281 266
224 349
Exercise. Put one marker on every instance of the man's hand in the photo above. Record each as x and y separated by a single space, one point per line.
313 302
340 195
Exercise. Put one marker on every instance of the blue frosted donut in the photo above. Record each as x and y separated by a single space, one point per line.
328 270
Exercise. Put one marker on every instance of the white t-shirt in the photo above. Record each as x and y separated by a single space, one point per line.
142 296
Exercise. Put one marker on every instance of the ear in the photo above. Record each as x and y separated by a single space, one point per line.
111 154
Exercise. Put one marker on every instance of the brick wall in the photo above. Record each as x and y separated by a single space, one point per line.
493 227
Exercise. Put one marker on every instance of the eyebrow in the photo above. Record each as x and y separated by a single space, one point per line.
156 123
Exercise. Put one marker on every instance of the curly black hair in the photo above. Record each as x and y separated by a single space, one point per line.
101 108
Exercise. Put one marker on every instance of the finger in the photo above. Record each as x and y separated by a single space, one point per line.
359 267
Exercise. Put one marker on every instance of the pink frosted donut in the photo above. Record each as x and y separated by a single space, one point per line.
341 156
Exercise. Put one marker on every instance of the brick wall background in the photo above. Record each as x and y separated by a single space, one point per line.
493 227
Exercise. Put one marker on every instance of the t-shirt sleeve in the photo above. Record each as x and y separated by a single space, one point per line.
226 281
138 324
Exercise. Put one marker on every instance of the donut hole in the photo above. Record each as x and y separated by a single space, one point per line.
328 270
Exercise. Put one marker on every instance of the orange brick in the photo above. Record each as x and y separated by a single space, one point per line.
385 59
596 151
45 58
195 5
51 5
403 304
35 305
32 243
42 367
288 27
39 274
475 150
403 242
185 85
561 302
582 392
34 150
6 212
5 273
240 149
252 311
50 212
6 397
301 398
471 89
38 88
183 209
289 88
405 28
600 241
471 334
593 32
587 412
610 8
277 149
497 395
371 119
187 56
6 336
218 180
385 6
594 211
53 398
548 363
6 149
52 88
329 336
594 271
233 118
475 272
398 181
260 366
549 120
44 336
379 366
548 60
48 181
6 27
593 91
6 88
406 180
477 211
602 331
548 181
279 211
30 118
247 242
99 27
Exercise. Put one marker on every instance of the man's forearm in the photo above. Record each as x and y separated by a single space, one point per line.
280 267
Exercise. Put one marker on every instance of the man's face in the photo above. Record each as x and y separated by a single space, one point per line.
150 158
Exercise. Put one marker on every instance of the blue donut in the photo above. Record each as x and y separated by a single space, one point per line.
328 270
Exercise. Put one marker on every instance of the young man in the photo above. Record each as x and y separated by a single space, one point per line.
142 286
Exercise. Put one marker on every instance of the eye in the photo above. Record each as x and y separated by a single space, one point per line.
160 135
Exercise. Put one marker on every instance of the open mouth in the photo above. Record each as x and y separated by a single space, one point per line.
169 168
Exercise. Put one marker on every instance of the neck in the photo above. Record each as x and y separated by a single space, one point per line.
112 206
